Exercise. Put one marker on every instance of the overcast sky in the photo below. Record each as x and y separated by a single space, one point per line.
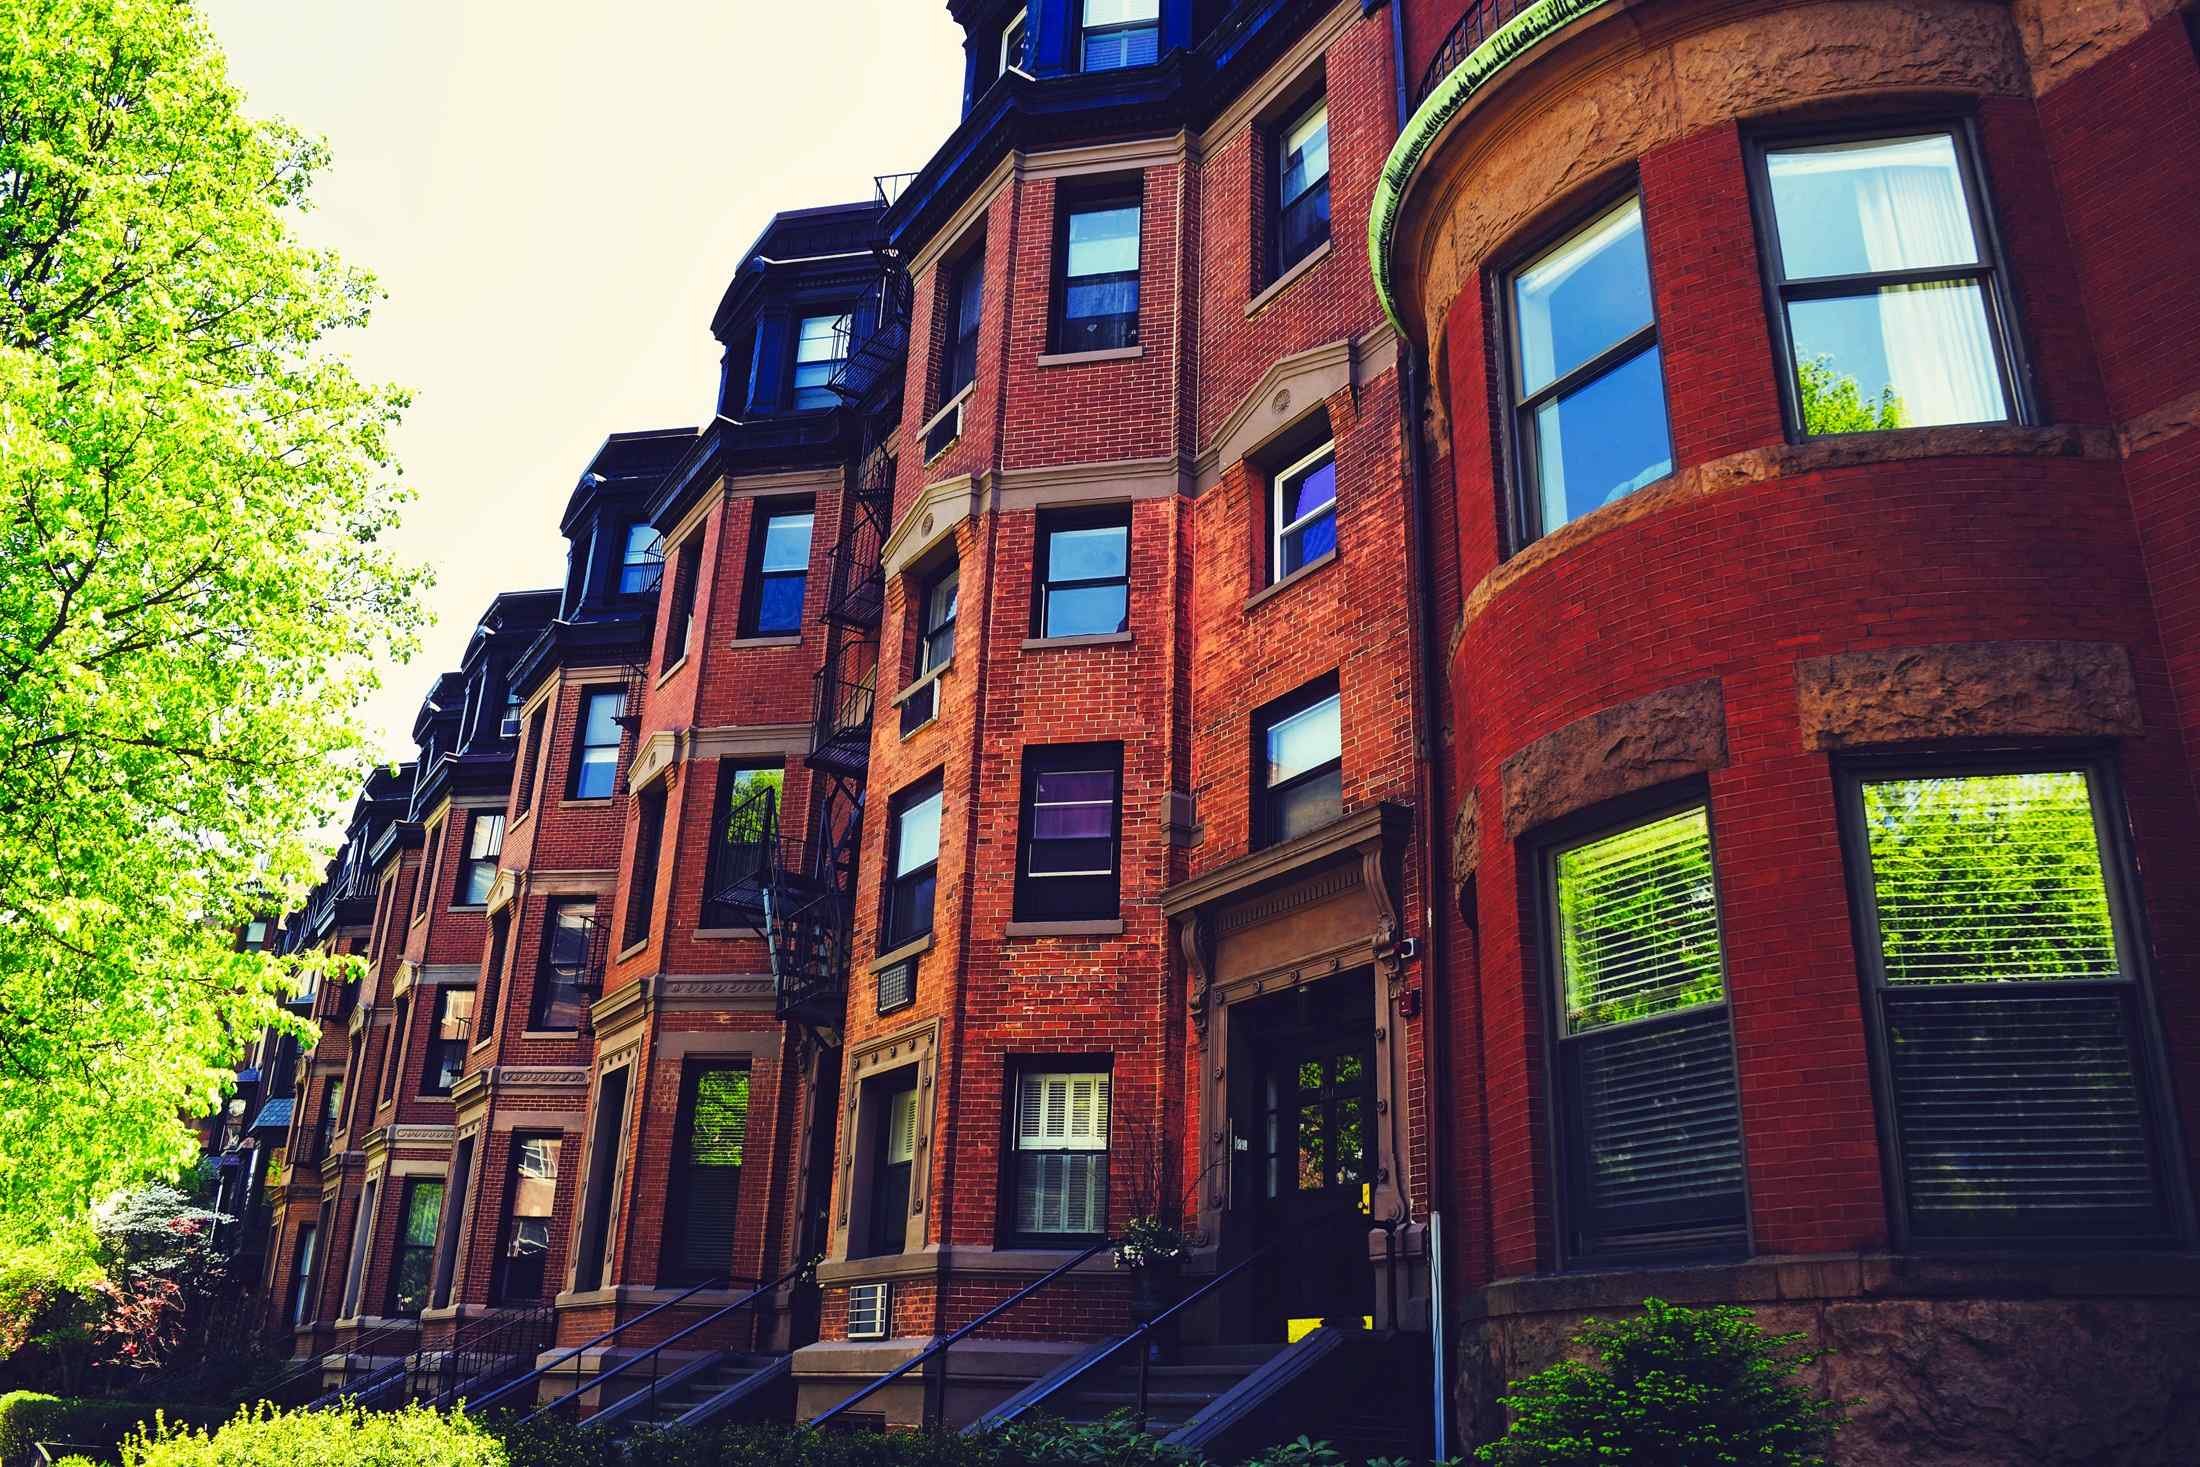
554 195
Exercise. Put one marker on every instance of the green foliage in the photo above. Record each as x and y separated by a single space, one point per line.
29 1416
1115 1440
1304 1452
346 1437
1675 1386
1638 921
1834 402
190 590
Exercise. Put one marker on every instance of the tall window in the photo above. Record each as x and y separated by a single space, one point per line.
1060 1186
1653 1135
1889 310
706 1181
561 981
1302 187
1588 388
641 890
533 1204
446 1057
1096 284
687 569
332 1117
1069 867
642 560
741 834
2007 1010
606 1148
492 971
531 757
966 308
424 881
596 752
448 1233
484 843
419 1208
304 1262
936 632
1300 757
1016 42
394 1048
890 1128
913 860
1119 33
362 1240
1302 512
779 572
1084 564
820 347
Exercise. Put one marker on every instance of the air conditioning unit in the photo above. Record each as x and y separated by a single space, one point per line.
897 986
920 707
868 1311
946 426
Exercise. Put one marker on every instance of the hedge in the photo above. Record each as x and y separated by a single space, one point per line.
343 1437
29 1416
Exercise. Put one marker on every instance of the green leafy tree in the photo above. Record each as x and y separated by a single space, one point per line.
1834 402
1675 1386
191 587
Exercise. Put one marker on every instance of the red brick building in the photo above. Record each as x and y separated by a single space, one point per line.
1623 730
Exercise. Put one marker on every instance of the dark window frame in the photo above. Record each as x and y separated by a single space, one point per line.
2010 361
1304 107
400 1249
752 590
424 880
931 656
531 758
510 1219
960 337
647 570
687 571
538 1011
720 867
1095 1062
1086 517
817 311
1524 493
893 897
639 919
1123 193
494 960
437 1050
1050 898
475 821
1540 853
590 697
673 1267
2127 921
305 1266
1266 824
1084 33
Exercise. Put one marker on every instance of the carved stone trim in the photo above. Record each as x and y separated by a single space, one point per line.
932 519
439 975
667 749
1319 887
541 1077
502 890
919 1046
1616 751
622 1008
1967 690
715 991
415 1135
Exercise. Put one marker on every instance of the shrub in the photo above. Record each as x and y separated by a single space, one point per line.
1116 1440
1677 1386
343 1437
28 1416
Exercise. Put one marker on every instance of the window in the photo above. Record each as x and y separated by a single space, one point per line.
1069 868
561 983
642 562
606 1149
484 843
1060 1186
966 308
1084 565
1588 388
1016 42
1301 759
1096 293
641 891
1303 513
780 570
936 633
820 348
332 1116
1882 265
1302 188
454 1012
706 1178
528 1214
419 1209
362 1239
889 1123
596 755
492 971
913 862
424 880
1653 1136
687 568
741 847
530 761
393 1049
447 1235
2007 1014
303 1263
1119 33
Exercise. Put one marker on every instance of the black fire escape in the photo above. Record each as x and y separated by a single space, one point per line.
799 886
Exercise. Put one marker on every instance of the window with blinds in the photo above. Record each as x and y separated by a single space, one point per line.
2008 1021
1060 1187
1646 1053
707 1183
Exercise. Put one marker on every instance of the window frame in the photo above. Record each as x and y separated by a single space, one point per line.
436 1048
1123 193
1278 530
531 759
1278 139
510 1219
1019 1068
959 341
590 696
638 922
752 591
1086 32
537 1012
1084 517
424 880
930 659
844 319
1586 827
891 885
1020 20
2012 367
1266 829
729 788
650 563
687 570
400 1248
1518 443
476 820
1067 896
673 1266
2127 924
305 1265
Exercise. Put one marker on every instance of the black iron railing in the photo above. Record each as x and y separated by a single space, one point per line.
744 855
487 1351
847 690
399 1335
510 1394
1481 21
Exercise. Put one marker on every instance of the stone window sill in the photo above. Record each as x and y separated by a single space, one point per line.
918 684
630 951
743 644
1325 559
1079 358
1090 927
1096 639
670 669
1283 282
727 934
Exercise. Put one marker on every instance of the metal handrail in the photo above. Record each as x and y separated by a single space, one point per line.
541 1370
940 1347
364 1344
655 1352
483 1342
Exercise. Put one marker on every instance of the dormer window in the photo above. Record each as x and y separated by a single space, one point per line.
642 563
1120 33
820 349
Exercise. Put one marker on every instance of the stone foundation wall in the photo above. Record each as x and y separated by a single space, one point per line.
2040 1362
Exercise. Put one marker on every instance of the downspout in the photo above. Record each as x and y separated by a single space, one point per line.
1420 587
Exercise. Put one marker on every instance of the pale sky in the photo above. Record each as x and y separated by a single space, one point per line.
554 195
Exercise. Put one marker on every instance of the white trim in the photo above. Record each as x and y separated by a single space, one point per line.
1279 531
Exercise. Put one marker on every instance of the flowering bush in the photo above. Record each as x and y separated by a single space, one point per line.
1148 1240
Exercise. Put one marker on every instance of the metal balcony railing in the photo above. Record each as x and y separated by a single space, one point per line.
1479 23
847 690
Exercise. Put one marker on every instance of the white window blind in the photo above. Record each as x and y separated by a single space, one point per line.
901 1129
1639 922
1062 1161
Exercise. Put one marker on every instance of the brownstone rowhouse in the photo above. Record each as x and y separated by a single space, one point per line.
1856 670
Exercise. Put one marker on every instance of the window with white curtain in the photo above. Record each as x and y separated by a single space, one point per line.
1120 33
1096 285
1060 1186
1888 298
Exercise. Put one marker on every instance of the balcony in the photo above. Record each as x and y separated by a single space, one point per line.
1481 21
847 690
